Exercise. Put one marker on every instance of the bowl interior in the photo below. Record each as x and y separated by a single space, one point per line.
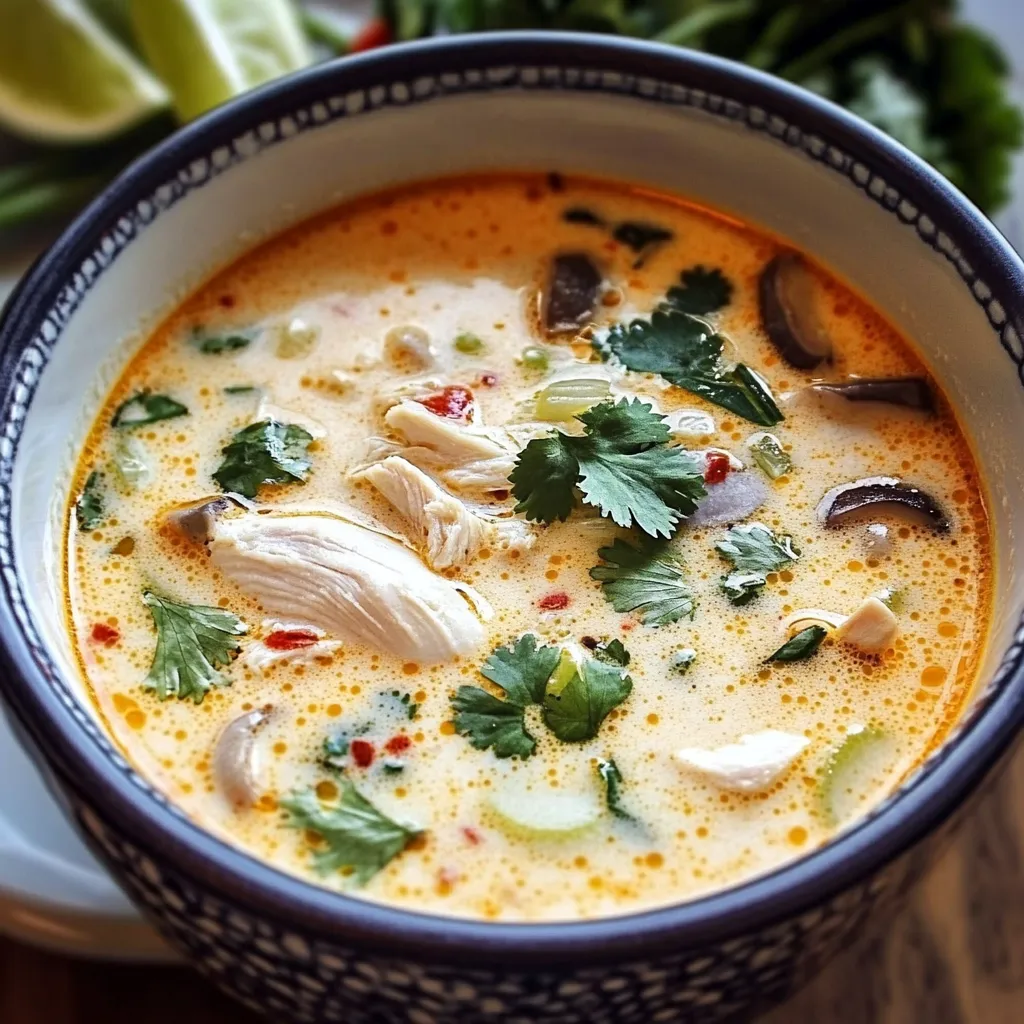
260 167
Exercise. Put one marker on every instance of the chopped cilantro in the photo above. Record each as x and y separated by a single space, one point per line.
405 699
767 451
687 352
357 837
623 465
192 643
581 215
700 291
754 551
801 646
641 237
334 752
226 341
612 779
240 389
393 765
264 453
613 651
89 508
579 699
144 407
522 671
644 579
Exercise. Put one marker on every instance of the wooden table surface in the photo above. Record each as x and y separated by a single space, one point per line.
955 954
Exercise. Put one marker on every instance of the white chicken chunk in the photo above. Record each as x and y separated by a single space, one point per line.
872 627
350 581
749 765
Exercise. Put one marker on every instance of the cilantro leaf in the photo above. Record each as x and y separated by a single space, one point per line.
644 579
192 643
687 352
264 453
610 775
574 708
622 465
700 291
357 836
754 551
522 671
216 344
800 646
144 407
89 508
613 651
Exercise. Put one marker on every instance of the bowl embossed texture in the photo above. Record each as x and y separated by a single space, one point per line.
686 123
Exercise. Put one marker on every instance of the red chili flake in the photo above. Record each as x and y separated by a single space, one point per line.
374 33
362 753
473 836
227 301
627 625
398 743
104 634
488 380
290 639
554 602
717 467
453 403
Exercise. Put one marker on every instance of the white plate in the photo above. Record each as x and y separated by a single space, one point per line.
52 891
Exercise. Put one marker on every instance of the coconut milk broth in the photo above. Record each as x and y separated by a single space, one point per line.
469 256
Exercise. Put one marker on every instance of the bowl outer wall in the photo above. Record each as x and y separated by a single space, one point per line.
81 765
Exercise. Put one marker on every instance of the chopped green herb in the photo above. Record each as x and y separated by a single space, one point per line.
767 451
687 352
264 453
682 660
359 838
895 599
534 357
800 646
240 389
522 671
334 753
701 291
393 766
578 700
641 238
623 465
405 699
468 343
192 643
216 344
132 461
613 651
144 407
754 551
581 215
645 579
89 508
612 779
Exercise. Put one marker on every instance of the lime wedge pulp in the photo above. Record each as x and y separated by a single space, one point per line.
64 78
207 51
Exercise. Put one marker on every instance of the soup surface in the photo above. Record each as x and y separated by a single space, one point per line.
548 585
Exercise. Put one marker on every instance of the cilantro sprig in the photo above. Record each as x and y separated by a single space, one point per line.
687 352
144 408
90 507
646 579
623 465
754 551
357 837
264 453
192 643
701 290
581 696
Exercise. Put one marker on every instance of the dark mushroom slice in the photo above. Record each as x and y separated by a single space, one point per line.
881 494
196 520
574 286
786 292
909 392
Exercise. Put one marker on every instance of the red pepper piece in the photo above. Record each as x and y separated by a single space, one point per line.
290 639
453 402
554 602
398 743
104 634
473 836
376 32
362 753
716 468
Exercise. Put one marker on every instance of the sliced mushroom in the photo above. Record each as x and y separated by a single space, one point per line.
877 494
909 392
236 758
786 292
572 292
196 519
803 618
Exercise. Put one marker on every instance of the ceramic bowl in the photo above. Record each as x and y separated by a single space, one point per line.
681 122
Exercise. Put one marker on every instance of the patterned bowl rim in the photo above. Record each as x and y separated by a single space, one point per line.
86 763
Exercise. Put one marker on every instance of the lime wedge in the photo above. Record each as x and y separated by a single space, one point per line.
63 78
210 50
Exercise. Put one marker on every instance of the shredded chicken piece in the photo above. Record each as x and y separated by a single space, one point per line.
454 441
351 581
751 764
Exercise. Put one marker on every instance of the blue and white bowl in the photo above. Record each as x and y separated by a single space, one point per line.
681 122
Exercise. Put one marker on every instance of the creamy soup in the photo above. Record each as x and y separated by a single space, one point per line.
526 548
